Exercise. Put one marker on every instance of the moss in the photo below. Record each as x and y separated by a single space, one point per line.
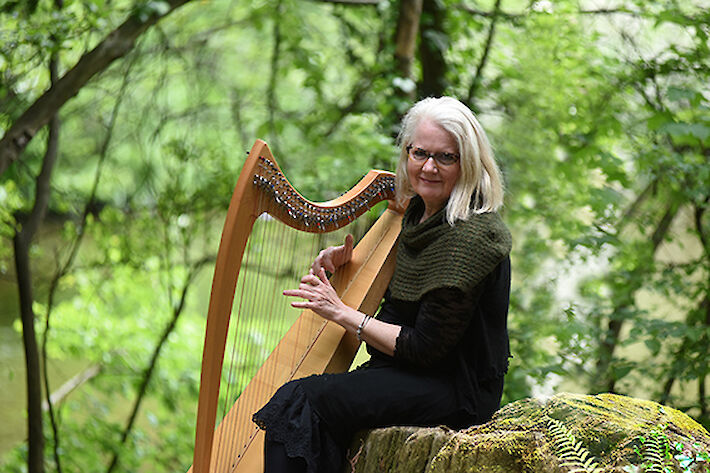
518 439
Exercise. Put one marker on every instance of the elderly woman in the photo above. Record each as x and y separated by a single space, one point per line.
439 345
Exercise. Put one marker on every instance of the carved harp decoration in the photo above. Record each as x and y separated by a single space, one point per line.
311 345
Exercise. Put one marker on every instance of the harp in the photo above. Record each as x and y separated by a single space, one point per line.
311 345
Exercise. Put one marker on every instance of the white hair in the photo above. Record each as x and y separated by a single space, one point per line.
479 187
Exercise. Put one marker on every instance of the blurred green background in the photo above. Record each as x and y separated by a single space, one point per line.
597 111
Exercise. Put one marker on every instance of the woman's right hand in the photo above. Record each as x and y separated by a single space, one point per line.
333 257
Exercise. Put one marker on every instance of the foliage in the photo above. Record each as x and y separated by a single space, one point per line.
600 121
657 453
572 454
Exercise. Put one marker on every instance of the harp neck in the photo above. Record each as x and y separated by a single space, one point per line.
283 201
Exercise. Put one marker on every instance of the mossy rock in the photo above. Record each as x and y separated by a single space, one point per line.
565 433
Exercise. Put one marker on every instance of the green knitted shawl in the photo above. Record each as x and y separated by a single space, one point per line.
433 254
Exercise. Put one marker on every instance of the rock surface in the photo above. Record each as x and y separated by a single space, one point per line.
564 433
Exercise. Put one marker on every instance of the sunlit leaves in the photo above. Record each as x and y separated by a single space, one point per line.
600 137
144 10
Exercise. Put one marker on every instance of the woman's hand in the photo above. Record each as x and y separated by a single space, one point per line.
333 257
320 297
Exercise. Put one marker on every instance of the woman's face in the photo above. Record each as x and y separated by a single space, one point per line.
432 181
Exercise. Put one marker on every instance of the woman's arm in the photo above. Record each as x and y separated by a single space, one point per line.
443 318
321 298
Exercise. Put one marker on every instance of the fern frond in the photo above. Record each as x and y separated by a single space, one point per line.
655 448
571 453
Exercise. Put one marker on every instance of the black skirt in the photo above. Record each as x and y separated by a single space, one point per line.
316 417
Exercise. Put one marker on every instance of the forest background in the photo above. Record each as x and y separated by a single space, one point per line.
125 123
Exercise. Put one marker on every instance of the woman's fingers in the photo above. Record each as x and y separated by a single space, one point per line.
348 248
322 277
302 304
311 279
324 260
298 293
333 257
328 263
313 284
318 295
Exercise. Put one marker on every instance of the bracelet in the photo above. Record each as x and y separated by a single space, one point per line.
362 326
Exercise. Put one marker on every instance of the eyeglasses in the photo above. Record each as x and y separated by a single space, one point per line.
442 159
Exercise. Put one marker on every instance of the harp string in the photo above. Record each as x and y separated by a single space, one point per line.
261 316
239 362
274 318
264 317
243 334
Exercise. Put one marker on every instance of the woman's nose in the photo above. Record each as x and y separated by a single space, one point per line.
430 165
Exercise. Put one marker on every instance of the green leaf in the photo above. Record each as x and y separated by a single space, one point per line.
659 119
653 344
676 94
698 130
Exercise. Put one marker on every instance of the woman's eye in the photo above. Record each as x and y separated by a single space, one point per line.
420 153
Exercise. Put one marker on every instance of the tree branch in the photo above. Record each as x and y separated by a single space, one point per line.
54 127
150 369
519 16
357 3
633 209
484 57
22 243
611 11
116 44
491 14
358 93
605 381
364 84
64 268
271 87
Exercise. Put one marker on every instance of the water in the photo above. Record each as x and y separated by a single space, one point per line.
13 385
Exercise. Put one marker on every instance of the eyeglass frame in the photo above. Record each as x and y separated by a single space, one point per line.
436 156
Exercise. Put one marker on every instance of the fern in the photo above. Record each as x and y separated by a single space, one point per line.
571 453
656 451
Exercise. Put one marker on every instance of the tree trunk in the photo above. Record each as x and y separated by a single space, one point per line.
410 12
605 380
471 99
432 46
22 242
272 87
35 438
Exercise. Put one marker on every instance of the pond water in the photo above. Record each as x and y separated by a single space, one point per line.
13 423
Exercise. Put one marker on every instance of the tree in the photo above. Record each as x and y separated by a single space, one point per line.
115 45
601 131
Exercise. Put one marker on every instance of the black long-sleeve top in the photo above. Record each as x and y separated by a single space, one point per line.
458 334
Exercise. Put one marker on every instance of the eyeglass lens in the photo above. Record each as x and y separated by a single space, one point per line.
420 154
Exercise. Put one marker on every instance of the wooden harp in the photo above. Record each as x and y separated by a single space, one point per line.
236 445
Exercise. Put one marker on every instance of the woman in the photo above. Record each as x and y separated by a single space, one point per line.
439 345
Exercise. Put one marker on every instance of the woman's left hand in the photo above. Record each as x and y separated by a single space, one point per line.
319 295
